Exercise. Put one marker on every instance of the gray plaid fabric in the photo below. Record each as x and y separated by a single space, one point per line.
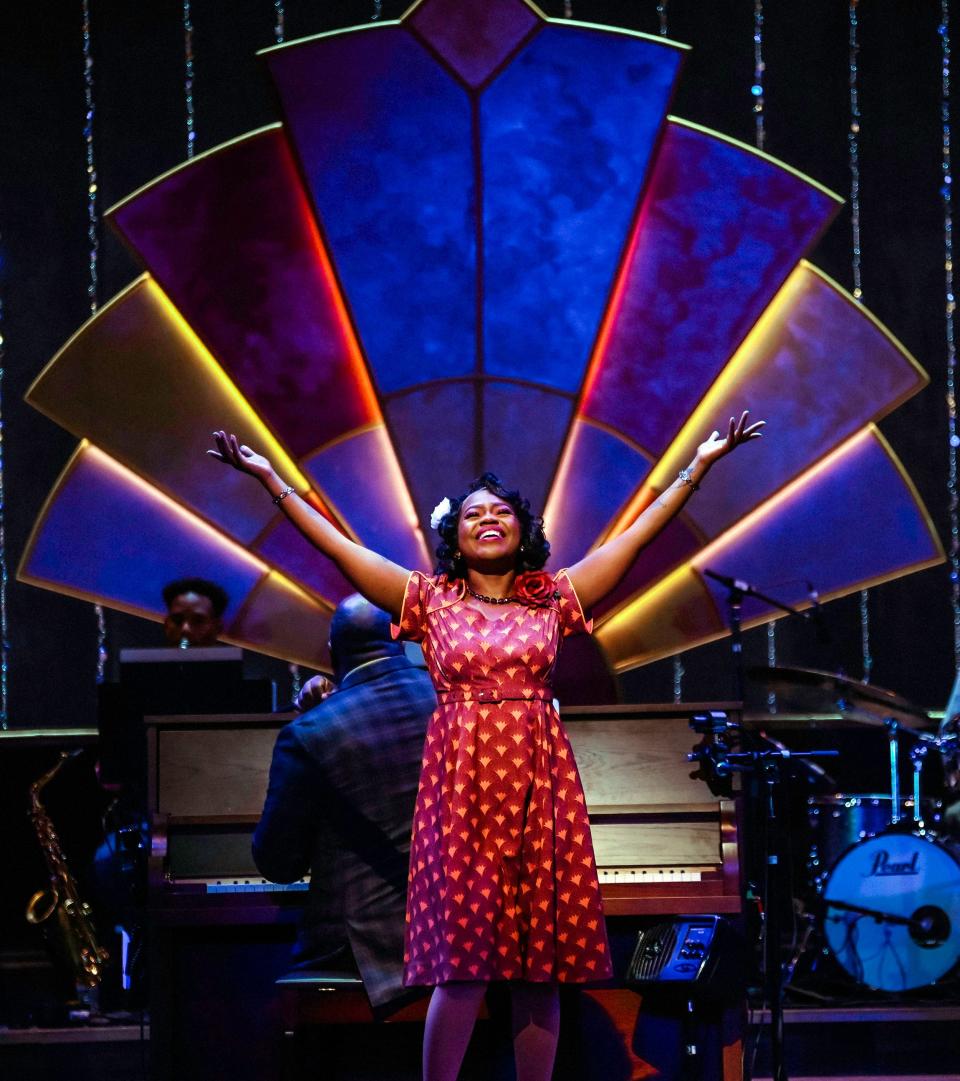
339 804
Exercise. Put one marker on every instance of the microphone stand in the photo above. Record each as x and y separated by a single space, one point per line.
769 766
736 591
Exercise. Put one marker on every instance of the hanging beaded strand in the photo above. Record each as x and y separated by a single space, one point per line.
678 673
93 238
568 9
760 137
662 16
188 76
4 639
93 257
759 67
946 194
853 148
279 21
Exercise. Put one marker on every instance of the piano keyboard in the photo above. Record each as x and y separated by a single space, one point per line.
609 876
245 884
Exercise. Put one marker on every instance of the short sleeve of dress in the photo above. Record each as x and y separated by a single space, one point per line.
572 617
413 613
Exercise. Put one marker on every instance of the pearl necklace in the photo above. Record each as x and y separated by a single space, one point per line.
492 600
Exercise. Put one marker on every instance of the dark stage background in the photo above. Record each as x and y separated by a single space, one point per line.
140 132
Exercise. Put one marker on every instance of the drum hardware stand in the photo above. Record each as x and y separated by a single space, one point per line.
917 755
767 765
893 737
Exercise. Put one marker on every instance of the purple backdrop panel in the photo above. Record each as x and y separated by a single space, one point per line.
600 473
434 427
819 371
856 520
675 544
720 229
107 534
473 38
567 131
232 241
384 136
282 621
285 548
523 429
362 480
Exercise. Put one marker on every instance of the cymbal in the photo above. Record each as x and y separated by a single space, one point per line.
862 702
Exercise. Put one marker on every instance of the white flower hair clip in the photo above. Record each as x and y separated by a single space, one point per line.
439 512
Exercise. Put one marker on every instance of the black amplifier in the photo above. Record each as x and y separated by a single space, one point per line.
694 957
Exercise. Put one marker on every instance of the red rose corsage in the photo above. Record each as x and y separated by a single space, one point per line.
536 588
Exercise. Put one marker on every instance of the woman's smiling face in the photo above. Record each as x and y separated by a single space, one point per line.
489 530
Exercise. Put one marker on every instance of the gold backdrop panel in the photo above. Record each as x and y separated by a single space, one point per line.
136 381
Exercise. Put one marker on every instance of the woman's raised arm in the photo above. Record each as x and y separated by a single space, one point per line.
380 580
601 570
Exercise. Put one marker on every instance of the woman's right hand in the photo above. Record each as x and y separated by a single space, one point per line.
240 456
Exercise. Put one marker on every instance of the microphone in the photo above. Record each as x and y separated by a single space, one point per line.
730 583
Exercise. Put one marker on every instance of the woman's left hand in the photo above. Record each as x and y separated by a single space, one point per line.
738 432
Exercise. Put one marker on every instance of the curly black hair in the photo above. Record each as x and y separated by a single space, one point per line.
534 546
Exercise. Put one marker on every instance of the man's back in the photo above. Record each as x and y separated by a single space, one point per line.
339 804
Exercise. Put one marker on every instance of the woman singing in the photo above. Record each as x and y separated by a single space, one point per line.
503 883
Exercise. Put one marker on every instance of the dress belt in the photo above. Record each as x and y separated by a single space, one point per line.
492 694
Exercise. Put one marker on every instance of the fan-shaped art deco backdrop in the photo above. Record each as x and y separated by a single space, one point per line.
479 238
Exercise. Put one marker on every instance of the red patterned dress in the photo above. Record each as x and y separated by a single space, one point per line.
503 881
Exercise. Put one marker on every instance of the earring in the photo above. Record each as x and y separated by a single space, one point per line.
523 547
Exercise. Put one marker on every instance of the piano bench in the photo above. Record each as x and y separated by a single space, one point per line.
320 1010
324 997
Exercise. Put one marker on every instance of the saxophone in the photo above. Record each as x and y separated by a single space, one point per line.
74 926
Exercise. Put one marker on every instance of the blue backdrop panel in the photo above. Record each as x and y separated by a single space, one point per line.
437 426
600 474
567 132
523 430
384 136
353 475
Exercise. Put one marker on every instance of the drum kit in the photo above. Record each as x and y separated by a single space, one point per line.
883 868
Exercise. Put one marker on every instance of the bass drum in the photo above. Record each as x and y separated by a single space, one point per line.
892 910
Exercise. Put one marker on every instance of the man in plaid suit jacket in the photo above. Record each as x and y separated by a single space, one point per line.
340 802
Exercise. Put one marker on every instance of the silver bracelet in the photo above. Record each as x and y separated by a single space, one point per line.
278 499
684 477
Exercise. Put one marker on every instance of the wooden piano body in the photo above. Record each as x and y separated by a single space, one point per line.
665 845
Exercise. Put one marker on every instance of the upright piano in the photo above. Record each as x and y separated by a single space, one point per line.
664 844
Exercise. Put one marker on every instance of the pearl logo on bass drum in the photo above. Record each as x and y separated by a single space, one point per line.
884 865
